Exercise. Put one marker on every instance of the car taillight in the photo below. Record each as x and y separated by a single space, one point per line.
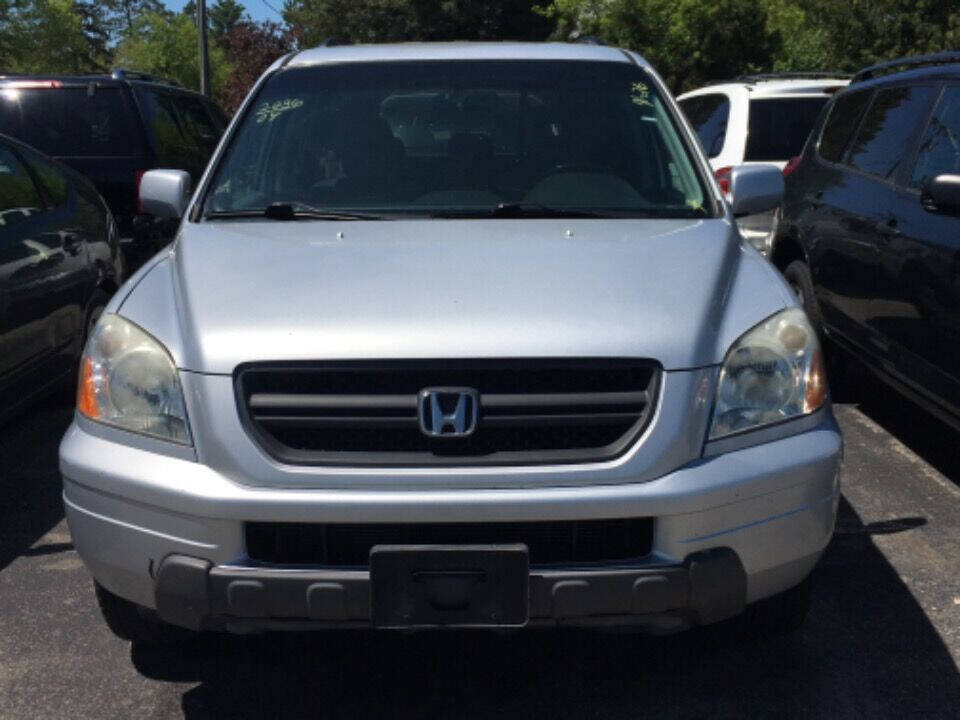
791 165
723 178
138 178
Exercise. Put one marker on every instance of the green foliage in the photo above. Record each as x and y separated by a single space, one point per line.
222 16
52 36
122 14
694 41
397 20
166 44
689 41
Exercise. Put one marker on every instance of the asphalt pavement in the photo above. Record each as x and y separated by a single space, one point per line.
882 639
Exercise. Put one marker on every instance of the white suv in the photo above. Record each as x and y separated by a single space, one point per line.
758 119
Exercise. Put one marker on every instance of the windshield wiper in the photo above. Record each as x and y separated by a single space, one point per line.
520 210
287 211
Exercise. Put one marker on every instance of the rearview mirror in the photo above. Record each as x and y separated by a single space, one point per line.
755 189
165 193
942 194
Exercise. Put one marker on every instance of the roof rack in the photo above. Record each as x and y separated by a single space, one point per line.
907 62
760 77
121 74
589 40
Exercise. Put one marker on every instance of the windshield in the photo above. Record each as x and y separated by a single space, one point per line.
459 139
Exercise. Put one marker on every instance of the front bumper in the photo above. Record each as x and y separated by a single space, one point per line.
709 586
771 507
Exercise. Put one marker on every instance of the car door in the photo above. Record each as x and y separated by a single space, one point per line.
920 266
41 300
834 223
879 151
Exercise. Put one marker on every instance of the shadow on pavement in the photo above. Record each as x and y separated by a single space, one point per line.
30 487
867 650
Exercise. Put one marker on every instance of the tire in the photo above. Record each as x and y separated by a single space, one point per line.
781 614
798 276
129 621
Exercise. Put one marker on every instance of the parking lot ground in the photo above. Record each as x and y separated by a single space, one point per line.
882 639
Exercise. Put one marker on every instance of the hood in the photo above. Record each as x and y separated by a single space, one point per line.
661 289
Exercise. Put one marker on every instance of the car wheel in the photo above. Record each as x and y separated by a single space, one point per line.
798 277
781 614
129 621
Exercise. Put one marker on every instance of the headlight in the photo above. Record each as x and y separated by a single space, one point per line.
774 372
128 380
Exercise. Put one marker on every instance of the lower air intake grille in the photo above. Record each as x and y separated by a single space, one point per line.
550 543
374 414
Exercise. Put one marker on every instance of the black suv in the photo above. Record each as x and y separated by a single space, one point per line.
112 129
59 265
869 232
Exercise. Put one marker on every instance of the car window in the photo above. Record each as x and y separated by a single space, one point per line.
19 198
778 127
940 148
425 137
881 143
845 114
70 122
52 178
197 124
708 114
164 128
220 119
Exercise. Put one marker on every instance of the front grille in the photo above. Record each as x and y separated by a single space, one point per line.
550 543
530 411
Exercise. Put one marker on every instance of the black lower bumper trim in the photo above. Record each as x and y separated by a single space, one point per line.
709 586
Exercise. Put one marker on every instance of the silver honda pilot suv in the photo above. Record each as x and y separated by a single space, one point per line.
456 335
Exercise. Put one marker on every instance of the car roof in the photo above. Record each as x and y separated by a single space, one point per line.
769 87
927 72
461 51
117 79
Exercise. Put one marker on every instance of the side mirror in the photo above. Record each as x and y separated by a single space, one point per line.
941 194
165 193
755 189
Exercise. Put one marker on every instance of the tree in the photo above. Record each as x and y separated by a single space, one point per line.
53 36
122 14
397 20
862 32
222 17
251 48
688 41
166 44
691 41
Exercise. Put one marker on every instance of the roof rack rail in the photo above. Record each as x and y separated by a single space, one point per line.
589 40
122 74
818 75
907 62
760 77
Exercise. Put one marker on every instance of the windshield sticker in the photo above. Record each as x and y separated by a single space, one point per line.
268 112
640 94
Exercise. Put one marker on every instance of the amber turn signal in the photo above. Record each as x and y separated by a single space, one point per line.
816 383
86 390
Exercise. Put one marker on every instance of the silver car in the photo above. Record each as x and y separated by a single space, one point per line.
457 335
